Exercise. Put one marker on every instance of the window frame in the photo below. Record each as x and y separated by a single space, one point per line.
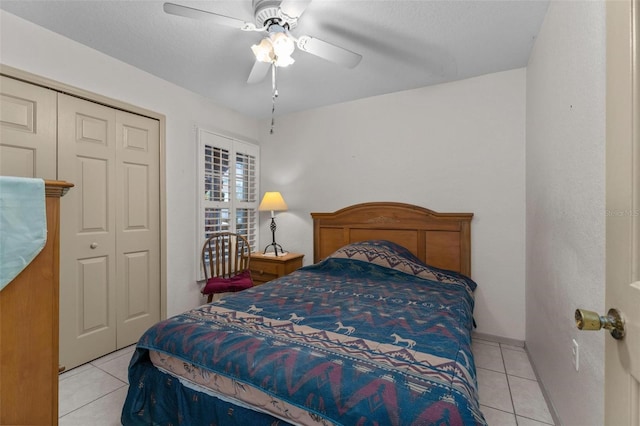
234 147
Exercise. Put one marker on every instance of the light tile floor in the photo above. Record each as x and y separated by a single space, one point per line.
509 392
93 394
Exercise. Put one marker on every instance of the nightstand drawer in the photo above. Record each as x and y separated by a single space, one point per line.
260 276
267 268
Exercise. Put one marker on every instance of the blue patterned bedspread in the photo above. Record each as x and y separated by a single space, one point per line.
369 336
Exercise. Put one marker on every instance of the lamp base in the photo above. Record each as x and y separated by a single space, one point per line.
275 246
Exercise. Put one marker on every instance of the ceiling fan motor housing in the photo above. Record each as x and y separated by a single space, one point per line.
267 13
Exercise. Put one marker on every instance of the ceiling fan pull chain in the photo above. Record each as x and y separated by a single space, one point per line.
273 96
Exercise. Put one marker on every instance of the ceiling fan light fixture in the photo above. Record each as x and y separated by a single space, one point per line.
276 48
264 51
284 61
283 45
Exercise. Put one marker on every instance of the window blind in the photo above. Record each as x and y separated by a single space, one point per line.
228 189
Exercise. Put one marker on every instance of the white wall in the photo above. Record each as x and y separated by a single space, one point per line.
456 147
452 147
34 49
566 204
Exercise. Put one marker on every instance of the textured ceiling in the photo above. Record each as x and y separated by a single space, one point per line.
405 45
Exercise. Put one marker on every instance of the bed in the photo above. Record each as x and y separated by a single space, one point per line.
376 332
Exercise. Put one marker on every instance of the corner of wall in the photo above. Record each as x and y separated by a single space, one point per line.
565 227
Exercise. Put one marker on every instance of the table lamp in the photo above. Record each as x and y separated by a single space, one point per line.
273 201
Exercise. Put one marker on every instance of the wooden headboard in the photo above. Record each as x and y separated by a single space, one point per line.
442 240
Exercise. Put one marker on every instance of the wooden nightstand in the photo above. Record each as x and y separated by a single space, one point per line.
267 268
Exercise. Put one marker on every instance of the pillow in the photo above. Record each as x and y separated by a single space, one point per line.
394 256
237 282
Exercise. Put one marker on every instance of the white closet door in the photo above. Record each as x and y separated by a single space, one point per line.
27 130
110 229
87 158
138 226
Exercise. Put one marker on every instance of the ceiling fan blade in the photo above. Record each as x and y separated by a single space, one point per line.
328 51
294 8
189 12
258 72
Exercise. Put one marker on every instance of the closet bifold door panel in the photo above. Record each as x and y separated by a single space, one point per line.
137 225
27 130
110 274
87 157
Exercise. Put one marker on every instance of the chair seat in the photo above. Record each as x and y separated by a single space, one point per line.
239 282
225 264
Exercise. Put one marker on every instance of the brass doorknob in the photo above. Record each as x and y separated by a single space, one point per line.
589 320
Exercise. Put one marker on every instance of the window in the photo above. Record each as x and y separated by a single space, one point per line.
228 188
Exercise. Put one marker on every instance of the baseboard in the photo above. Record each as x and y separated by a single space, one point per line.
498 339
545 394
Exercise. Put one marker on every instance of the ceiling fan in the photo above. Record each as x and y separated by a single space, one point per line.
275 18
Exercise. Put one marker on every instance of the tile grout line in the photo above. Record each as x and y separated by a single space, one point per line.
535 420
509 384
107 372
506 374
98 367
110 360
113 357
115 377
66 374
91 402
498 409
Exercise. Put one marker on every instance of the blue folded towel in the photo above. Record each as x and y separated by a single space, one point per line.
23 224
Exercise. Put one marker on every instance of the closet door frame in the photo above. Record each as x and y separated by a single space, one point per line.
114 103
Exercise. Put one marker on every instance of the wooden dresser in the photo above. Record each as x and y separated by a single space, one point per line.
29 331
267 268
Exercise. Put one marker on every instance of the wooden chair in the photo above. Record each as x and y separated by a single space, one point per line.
225 261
